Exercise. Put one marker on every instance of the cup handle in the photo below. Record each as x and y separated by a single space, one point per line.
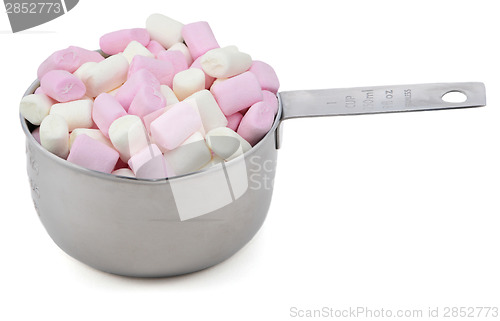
376 100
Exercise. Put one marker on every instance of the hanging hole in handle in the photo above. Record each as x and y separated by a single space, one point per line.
454 96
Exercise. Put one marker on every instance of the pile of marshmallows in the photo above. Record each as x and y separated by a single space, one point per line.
167 101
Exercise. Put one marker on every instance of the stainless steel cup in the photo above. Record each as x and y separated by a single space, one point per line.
166 227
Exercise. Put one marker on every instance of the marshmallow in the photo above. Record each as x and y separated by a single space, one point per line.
62 86
218 80
199 38
69 59
256 123
92 154
39 90
169 95
114 91
122 114
36 134
115 42
209 80
106 75
216 160
147 100
92 133
270 99
161 69
237 93
233 121
128 136
185 51
226 143
125 172
35 107
225 62
266 76
135 48
176 58
77 113
54 135
149 118
176 125
105 111
83 69
155 47
190 156
210 113
163 29
126 93
188 82
149 163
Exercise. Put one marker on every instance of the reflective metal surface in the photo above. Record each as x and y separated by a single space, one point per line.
166 227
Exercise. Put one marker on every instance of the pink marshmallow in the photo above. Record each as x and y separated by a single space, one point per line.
161 69
237 93
105 111
199 38
147 100
271 99
62 86
115 42
39 91
127 92
91 153
175 125
149 118
266 76
256 123
36 134
69 59
177 59
155 47
209 80
233 121
149 163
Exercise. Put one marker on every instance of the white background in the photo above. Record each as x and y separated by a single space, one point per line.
388 211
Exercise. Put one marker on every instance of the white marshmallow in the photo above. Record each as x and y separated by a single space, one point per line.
185 51
92 133
135 48
165 30
124 172
225 62
106 75
218 80
190 156
226 143
35 107
128 136
187 82
77 113
54 135
82 71
210 112
169 95
214 161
